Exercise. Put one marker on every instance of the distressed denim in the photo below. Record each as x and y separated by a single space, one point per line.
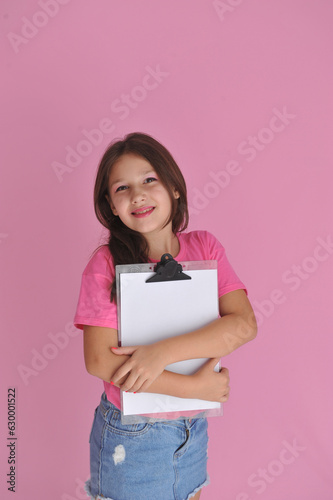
165 460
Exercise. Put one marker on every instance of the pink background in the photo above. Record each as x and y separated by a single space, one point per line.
223 70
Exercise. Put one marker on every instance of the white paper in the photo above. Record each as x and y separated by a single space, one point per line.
156 311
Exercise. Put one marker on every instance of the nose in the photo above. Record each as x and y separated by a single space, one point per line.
138 194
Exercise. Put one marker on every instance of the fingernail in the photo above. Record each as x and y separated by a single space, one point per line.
134 392
114 347
111 383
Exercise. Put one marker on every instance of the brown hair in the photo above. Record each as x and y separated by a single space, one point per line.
128 246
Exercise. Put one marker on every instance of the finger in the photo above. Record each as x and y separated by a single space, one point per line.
212 362
142 387
121 372
136 387
225 396
225 377
225 372
124 350
141 384
132 383
224 399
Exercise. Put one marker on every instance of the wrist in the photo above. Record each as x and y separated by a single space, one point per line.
195 386
165 347
188 387
174 384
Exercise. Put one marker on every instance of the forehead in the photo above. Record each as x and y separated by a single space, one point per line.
130 164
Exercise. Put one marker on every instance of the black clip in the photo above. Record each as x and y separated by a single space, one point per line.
168 269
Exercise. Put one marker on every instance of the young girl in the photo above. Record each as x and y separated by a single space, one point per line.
140 197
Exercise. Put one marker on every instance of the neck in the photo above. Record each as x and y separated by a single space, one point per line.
160 244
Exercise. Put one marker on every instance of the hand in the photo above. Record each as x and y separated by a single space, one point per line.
144 366
210 385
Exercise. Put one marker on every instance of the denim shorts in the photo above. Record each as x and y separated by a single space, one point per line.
164 460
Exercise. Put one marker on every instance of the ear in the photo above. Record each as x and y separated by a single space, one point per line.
176 194
114 211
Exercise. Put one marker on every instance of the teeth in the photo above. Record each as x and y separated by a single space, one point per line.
144 211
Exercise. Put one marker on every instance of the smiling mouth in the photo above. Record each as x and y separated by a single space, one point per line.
143 212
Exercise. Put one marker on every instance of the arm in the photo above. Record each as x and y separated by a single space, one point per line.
235 327
102 363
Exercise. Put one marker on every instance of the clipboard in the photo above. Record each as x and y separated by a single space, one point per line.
157 301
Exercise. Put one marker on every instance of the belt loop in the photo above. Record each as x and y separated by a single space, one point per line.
102 408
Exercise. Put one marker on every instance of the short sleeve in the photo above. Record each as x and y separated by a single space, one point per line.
94 306
228 281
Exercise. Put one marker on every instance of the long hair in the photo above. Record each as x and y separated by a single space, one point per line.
128 246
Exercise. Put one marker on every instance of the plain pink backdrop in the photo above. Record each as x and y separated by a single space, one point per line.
206 79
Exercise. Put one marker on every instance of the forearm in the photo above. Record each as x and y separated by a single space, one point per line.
217 339
174 384
169 383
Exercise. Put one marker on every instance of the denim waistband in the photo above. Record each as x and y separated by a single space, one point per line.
106 405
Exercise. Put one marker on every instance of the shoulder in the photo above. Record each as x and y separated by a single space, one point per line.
100 262
200 245
200 237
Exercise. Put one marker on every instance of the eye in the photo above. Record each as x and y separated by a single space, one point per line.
120 188
150 180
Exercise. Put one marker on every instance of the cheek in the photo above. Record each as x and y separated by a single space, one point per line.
120 204
162 193
114 204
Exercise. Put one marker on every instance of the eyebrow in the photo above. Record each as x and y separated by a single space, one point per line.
142 174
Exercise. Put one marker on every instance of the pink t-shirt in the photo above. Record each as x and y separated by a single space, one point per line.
94 306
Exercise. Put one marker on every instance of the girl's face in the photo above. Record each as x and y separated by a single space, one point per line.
138 197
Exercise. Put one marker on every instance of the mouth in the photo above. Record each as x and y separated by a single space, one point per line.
143 212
